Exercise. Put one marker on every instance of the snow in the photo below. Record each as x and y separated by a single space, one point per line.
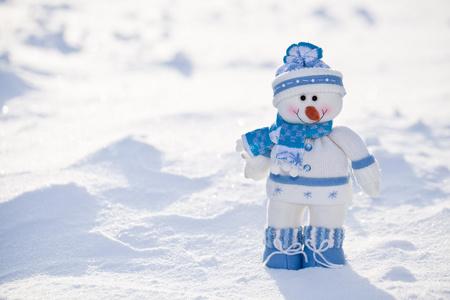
118 126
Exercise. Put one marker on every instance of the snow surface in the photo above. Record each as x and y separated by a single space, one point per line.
118 125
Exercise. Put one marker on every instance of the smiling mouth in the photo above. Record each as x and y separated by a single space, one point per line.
323 114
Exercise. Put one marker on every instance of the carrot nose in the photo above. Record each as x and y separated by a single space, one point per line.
312 113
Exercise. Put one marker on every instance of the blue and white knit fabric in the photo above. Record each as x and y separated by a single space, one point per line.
283 238
284 248
303 72
319 235
302 55
319 247
290 139
323 247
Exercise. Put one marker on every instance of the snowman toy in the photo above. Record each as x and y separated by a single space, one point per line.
306 160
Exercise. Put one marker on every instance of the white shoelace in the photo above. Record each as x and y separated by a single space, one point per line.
294 249
324 246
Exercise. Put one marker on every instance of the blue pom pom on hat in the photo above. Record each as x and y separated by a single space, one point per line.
304 72
302 55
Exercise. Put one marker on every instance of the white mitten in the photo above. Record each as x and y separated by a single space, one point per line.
372 189
368 179
239 146
257 167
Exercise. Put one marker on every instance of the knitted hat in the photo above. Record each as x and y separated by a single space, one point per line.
304 72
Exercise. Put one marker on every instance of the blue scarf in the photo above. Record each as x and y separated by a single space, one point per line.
290 139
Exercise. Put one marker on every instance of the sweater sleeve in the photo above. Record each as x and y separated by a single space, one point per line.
257 142
352 145
365 167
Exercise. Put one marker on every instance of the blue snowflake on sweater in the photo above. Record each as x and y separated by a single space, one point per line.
333 195
277 191
308 195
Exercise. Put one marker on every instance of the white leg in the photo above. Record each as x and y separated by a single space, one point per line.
284 215
328 216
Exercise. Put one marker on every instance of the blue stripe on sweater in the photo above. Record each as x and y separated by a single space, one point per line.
330 181
362 163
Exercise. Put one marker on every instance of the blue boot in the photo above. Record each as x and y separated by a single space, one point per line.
283 248
323 247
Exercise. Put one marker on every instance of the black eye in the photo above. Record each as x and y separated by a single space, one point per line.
314 98
303 97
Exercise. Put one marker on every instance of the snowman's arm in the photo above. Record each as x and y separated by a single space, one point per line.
256 167
365 167
255 147
257 142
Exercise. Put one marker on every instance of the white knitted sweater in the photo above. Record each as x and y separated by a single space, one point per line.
325 160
